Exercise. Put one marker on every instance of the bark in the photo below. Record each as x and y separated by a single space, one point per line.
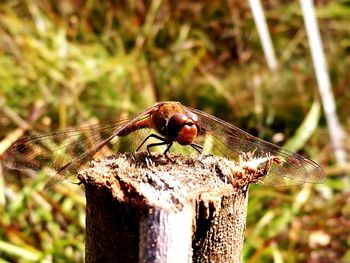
152 209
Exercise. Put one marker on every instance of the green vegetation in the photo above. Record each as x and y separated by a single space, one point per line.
70 63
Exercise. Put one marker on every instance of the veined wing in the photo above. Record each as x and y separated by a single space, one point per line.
230 141
63 153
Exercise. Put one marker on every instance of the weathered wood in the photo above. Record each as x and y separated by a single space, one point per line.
150 209
219 237
165 236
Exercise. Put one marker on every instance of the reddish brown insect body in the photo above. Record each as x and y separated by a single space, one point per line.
170 120
174 123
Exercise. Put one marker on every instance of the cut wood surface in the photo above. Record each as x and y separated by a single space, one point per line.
155 209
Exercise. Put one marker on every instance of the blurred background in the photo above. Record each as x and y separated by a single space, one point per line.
71 62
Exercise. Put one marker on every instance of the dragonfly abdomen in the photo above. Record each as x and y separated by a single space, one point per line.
134 126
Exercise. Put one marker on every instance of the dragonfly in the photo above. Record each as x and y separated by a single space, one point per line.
168 124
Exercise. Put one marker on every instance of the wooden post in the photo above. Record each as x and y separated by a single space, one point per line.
151 209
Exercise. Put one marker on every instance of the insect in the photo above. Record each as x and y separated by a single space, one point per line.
67 151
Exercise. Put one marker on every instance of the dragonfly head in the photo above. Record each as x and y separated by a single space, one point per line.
183 127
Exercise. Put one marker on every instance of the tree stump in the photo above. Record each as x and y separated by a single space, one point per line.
144 208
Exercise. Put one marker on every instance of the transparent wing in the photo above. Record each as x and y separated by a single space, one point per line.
62 153
222 138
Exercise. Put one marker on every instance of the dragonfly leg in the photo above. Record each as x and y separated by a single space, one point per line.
159 144
168 148
197 147
163 141
151 136
169 144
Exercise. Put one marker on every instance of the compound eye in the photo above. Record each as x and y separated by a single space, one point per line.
178 119
192 116
182 129
175 124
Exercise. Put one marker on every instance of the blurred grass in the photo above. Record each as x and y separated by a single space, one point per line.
89 60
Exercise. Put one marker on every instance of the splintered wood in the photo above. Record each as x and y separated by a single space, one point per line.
144 208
